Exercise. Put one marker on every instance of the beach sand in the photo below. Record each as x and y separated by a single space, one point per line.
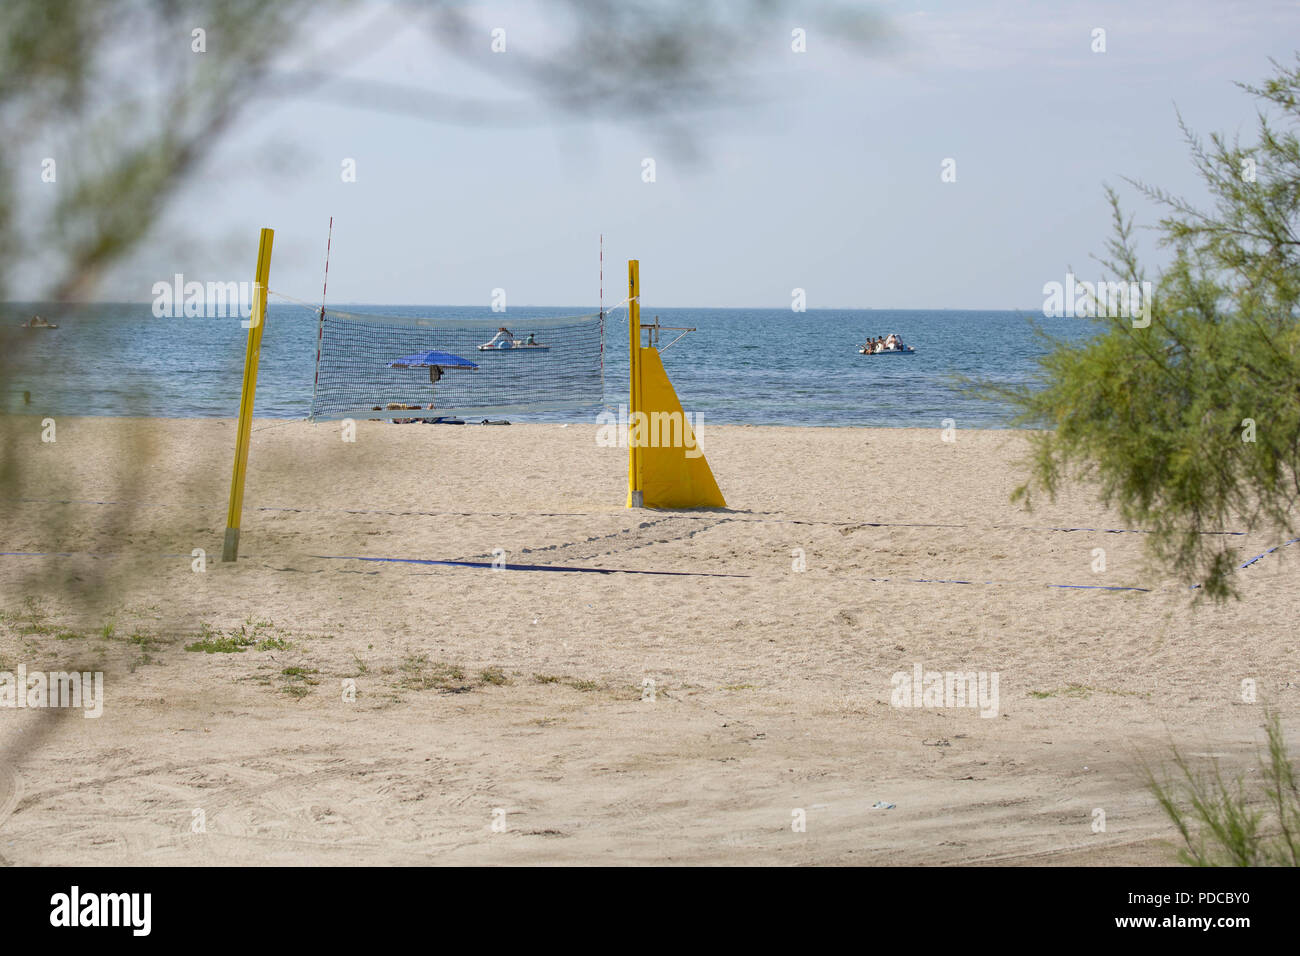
520 698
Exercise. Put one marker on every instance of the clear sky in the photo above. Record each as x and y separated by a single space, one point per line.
829 180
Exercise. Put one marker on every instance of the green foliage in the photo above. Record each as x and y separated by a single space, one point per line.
419 673
1157 416
577 683
121 81
1083 691
210 642
248 634
298 681
1230 824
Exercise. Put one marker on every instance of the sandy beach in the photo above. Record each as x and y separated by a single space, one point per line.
545 716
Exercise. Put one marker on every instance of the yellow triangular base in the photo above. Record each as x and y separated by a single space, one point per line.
670 478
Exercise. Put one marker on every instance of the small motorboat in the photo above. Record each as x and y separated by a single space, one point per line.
36 322
905 350
505 341
891 344
513 345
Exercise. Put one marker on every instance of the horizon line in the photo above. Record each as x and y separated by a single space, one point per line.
418 305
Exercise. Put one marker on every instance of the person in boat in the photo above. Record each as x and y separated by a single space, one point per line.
532 339
891 343
497 342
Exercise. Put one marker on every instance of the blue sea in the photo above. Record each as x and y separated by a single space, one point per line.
742 366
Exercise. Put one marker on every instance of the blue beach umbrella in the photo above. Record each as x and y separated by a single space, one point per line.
434 360
431 358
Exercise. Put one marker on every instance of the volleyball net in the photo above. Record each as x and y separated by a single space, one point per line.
433 367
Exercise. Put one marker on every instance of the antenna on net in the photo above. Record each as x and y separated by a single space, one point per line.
320 324
329 239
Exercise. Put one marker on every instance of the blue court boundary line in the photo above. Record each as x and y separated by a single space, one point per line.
1267 553
706 574
1081 587
525 567
738 516
853 525
1276 547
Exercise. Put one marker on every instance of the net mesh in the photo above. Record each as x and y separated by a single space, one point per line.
548 363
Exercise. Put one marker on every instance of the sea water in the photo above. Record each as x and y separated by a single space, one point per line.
741 366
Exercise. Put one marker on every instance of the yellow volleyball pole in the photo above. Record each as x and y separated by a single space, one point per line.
634 491
254 352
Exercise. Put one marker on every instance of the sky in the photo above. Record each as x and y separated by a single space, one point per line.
828 177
